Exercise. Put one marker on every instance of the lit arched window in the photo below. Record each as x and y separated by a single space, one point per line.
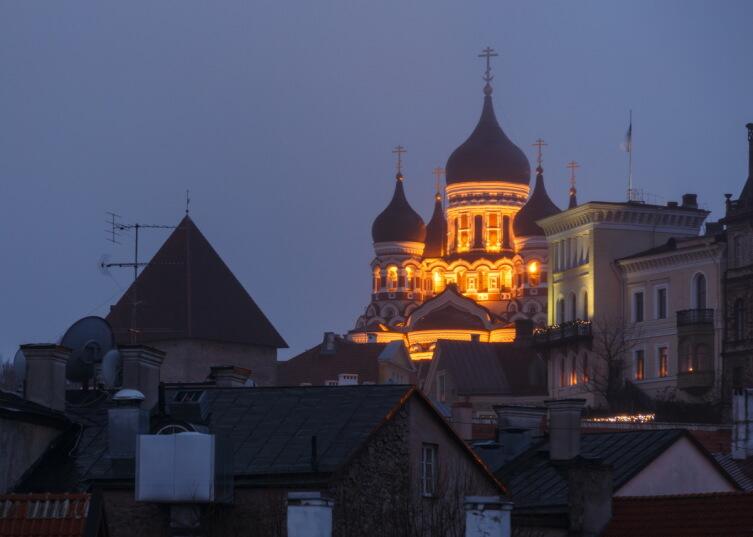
534 273
392 278
506 277
699 291
573 371
377 279
437 280
409 278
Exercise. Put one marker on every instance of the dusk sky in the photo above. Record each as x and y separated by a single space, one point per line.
280 118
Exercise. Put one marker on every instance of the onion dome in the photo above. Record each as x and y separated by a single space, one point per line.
398 222
488 154
537 207
436 231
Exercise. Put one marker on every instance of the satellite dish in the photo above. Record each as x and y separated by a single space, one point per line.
19 366
112 365
103 264
89 340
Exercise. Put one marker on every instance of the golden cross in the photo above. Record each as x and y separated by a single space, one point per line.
572 165
399 150
438 173
488 53
538 145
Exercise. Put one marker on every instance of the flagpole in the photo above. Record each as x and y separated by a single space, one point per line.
630 158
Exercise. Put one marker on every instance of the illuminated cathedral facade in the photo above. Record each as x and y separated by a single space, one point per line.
478 266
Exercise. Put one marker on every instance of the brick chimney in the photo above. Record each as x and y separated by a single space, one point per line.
309 515
564 428
230 376
45 374
141 367
690 201
487 516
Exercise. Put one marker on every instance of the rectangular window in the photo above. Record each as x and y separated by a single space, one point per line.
429 469
640 365
638 307
472 283
493 286
663 362
661 303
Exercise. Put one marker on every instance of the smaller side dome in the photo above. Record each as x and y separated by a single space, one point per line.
398 222
538 206
436 231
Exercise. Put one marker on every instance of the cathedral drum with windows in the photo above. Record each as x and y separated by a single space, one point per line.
481 262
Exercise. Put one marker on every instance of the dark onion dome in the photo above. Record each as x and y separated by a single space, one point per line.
488 154
436 231
398 222
537 207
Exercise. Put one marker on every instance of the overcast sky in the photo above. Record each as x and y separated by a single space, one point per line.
280 117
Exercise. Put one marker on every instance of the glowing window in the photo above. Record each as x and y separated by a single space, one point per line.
640 365
534 275
663 362
392 278
506 277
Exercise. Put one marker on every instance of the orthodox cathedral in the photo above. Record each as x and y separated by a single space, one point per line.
481 262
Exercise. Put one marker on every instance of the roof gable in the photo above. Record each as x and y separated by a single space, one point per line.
187 292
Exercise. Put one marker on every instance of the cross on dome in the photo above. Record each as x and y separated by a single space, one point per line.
399 151
538 145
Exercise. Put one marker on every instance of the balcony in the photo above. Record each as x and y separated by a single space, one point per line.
695 317
562 334
695 382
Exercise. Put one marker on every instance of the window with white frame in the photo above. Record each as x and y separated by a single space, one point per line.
429 456
663 358
640 365
347 379
638 306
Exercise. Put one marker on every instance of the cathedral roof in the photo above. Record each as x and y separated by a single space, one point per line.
538 206
398 222
488 154
436 231
187 292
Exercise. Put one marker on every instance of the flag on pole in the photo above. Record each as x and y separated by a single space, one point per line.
629 138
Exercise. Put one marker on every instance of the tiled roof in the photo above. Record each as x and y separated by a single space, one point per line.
35 515
697 515
187 292
740 470
315 367
492 368
270 430
15 407
535 481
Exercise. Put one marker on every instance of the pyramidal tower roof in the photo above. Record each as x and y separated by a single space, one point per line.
188 292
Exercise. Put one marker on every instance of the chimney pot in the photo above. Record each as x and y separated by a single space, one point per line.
229 376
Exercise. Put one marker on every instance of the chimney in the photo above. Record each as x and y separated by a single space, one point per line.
45 374
742 428
309 515
230 376
690 201
486 516
329 343
523 330
462 419
125 422
589 496
518 427
564 428
141 367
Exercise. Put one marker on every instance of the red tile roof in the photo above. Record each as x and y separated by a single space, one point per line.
188 292
716 514
32 515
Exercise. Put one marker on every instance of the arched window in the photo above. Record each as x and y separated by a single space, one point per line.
560 310
506 277
392 278
585 305
573 371
739 319
699 291
437 280
377 279
573 307
478 231
409 278
534 273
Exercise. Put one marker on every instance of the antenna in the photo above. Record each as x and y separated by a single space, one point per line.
117 229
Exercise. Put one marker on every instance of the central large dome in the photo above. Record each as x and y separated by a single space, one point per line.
488 154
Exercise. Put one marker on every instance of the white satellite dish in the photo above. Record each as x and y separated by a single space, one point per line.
19 365
111 367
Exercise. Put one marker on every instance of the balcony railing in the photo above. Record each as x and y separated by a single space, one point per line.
563 333
695 381
696 316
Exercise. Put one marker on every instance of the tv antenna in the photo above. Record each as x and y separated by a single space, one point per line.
116 231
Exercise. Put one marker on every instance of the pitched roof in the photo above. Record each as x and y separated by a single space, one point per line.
270 430
61 515
187 292
491 368
535 481
316 367
15 407
717 514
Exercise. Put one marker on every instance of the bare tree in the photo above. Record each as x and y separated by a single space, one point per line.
7 376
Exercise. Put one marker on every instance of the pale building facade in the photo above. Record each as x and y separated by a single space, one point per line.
586 288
